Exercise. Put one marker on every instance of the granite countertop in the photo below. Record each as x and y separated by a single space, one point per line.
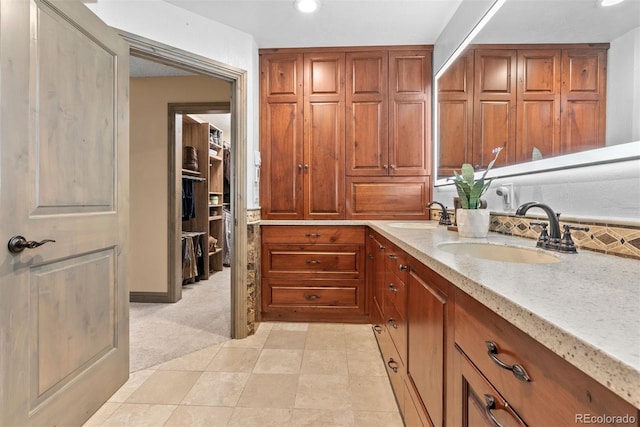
585 308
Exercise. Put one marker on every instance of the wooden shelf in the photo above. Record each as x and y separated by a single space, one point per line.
213 218
218 250
190 172
217 158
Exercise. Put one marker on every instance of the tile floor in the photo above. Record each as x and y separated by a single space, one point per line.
287 374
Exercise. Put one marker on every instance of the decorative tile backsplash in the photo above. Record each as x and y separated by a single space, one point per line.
607 238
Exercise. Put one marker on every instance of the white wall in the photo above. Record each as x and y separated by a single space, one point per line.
606 192
173 26
623 89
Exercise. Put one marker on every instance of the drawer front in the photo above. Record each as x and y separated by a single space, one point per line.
397 326
312 234
395 294
317 261
394 366
555 385
396 262
314 296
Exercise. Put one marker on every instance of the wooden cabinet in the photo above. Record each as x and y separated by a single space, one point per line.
313 273
215 200
525 375
533 100
343 130
303 160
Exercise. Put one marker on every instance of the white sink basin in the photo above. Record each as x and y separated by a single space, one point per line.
414 225
500 252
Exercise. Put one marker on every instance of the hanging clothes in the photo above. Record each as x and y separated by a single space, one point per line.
226 248
226 172
188 200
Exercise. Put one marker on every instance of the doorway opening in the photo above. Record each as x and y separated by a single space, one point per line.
237 107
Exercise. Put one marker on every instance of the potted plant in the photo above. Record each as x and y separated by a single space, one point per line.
472 221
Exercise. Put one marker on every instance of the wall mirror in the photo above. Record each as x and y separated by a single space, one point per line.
545 24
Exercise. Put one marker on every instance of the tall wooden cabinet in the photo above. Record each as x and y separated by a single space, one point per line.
345 133
303 161
533 100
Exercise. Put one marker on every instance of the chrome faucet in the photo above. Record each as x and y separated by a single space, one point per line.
444 216
553 242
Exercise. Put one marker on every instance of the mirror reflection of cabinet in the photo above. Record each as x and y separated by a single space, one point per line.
536 101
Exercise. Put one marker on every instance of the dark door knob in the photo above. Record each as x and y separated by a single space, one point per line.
18 244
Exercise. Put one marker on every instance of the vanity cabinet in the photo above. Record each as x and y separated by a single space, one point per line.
486 345
313 273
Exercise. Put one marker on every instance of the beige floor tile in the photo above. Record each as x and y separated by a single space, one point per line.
252 341
269 391
372 394
139 415
324 362
136 379
264 417
378 419
286 340
289 326
326 327
323 392
264 326
234 359
102 414
165 387
274 361
199 416
357 327
365 364
322 418
361 340
196 361
325 340
217 389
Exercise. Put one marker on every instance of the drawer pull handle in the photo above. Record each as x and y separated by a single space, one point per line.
371 256
491 404
311 234
518 371
382 247
392 288
377 329
312 297
313 261
393 323
392 256
402 267
393 365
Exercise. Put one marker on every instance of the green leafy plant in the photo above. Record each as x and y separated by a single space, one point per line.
470 190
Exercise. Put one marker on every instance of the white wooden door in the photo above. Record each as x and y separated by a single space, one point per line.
64 345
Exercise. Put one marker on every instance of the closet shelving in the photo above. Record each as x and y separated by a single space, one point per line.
207 192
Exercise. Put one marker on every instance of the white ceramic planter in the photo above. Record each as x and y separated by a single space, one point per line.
473 222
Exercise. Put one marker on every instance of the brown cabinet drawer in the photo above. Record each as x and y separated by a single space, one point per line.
312 234
392 362
317 261
397 262
397 326
314 296
554 384
395 294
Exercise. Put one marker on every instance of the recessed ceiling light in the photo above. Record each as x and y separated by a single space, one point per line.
307 6
605 3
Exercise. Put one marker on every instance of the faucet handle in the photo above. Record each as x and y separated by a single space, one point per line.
566 243
543 239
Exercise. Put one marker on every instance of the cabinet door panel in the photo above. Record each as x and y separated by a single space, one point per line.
281 132
583 99
425 366
494 106
324 136
410 113
538 104
367 109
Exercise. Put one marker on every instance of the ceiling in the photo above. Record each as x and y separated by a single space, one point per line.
275 23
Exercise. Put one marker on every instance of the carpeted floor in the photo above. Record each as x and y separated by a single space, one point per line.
161 332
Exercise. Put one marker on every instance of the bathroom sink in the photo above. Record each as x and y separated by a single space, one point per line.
414 225
500 252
